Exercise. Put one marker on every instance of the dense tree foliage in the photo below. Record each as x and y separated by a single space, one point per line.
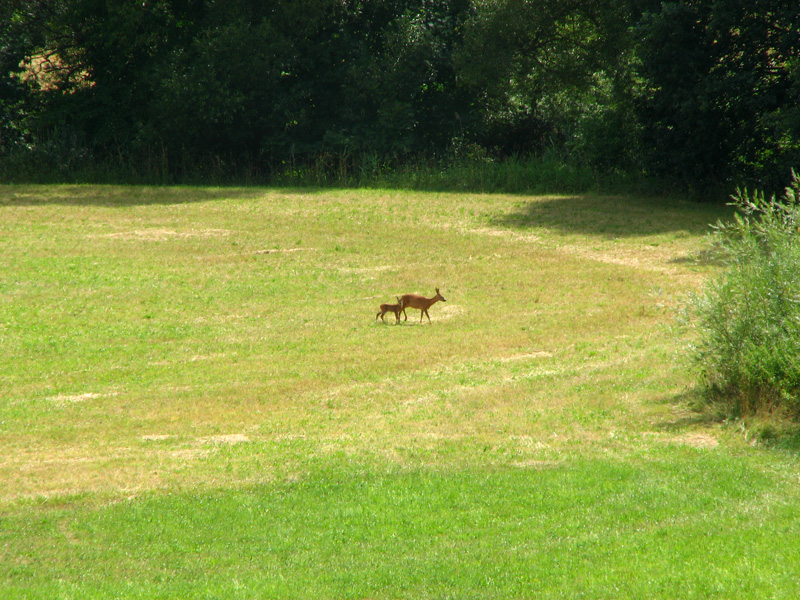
698 91
721 89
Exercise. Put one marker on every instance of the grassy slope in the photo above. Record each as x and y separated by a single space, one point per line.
196 400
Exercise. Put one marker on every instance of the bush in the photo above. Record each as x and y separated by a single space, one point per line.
748 318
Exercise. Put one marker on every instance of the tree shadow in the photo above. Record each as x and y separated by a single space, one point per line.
111 196
613 216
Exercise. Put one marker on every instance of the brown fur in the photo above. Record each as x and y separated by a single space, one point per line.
419 302
384 308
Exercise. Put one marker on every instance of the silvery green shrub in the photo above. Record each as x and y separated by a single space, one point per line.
748 317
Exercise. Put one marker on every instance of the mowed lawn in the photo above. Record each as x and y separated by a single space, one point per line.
196 401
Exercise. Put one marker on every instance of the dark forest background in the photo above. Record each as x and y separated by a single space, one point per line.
697 93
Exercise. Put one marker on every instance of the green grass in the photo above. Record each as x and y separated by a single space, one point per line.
600 529
196 401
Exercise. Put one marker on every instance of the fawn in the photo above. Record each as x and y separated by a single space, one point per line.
384 308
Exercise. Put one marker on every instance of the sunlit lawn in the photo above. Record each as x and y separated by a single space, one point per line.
197 401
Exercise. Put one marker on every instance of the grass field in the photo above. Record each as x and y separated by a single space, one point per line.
196 401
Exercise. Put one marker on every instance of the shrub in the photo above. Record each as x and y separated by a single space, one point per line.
748 318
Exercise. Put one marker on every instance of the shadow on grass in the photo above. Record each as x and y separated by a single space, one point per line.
694 410
711 257
691 410
613 216
126 195
785 437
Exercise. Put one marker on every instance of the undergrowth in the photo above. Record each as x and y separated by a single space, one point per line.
471 172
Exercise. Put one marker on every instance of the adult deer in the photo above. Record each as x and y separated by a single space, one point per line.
384 308
419 302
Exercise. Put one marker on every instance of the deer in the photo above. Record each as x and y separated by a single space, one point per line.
384 308
420 302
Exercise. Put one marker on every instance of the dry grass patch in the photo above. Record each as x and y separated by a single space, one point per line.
697 440
160 235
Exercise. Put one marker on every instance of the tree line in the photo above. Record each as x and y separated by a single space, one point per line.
695 91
